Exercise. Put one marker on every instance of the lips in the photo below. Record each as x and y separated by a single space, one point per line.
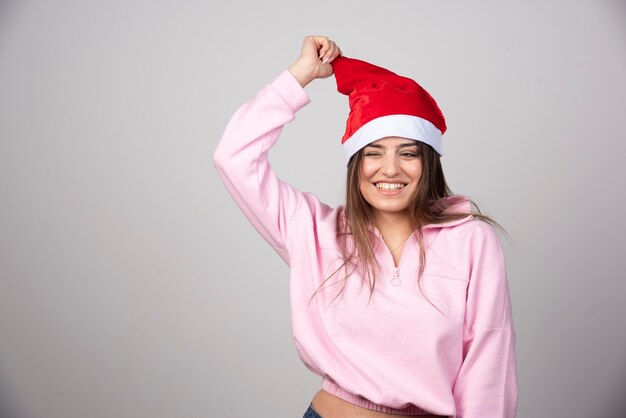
389 186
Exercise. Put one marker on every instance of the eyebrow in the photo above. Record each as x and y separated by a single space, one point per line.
406 144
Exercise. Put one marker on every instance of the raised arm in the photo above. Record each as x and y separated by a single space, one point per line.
241 157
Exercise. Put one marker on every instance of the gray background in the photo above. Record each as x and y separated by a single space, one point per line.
131 286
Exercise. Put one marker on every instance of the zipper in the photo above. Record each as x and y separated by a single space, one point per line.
395 280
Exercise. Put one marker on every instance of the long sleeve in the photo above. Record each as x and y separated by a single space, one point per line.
241 160
486 385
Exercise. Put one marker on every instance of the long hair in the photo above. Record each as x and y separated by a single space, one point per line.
428 207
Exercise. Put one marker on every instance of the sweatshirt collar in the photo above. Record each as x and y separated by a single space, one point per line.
458 204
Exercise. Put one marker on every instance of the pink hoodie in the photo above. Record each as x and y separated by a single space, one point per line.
395 352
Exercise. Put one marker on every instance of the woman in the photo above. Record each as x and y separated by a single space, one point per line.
399 299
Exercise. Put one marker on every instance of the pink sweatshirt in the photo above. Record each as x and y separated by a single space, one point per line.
395 352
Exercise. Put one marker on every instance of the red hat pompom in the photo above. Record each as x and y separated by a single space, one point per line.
384 104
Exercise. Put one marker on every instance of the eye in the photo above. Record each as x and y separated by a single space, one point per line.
371 154
408 154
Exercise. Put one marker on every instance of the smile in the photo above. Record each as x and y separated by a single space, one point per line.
389 186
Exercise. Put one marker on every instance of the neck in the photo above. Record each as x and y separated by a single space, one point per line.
393 226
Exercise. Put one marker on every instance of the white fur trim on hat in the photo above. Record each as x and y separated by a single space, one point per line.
405 126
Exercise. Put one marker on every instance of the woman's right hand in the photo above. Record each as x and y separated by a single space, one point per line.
314 60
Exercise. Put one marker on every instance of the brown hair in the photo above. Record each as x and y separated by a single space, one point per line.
428 207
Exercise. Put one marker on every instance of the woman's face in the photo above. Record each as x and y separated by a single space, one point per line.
390 171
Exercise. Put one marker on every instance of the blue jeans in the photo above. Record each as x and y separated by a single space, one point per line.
310 413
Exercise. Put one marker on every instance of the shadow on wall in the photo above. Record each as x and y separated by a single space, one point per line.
616 403
5 6
7 9
7 406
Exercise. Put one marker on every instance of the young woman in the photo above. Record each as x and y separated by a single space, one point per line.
399 297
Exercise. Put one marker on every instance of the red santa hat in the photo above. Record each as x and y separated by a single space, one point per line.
384 104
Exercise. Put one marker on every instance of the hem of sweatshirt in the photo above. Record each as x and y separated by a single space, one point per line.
334 389
290 90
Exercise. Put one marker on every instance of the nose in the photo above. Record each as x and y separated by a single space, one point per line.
390 166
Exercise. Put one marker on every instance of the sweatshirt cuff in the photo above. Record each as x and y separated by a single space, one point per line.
290 90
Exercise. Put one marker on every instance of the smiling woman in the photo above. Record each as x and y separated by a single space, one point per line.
390 173
432 334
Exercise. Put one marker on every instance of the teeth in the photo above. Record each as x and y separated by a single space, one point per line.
389 186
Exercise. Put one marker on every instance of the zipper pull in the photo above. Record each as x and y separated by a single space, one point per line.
395 280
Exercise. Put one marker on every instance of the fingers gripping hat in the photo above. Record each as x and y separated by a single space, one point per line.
384 104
